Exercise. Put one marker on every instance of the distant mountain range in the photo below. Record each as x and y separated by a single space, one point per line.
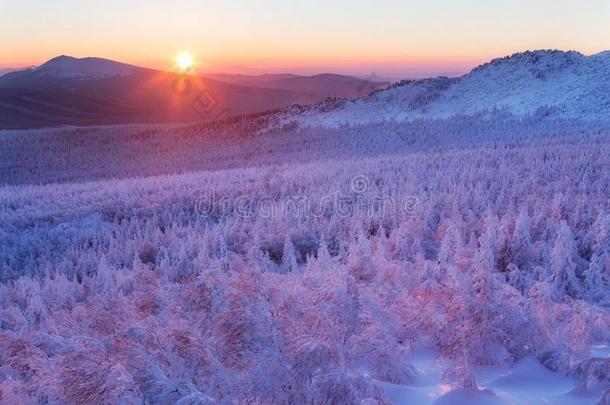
318 86
546 83
92 91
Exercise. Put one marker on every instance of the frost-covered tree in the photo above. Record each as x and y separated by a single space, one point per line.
156 288
594 282
521 242
563 266
289 259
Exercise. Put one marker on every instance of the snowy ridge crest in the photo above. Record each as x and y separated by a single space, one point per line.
567 85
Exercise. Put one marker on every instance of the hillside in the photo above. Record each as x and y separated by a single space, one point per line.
556 84
445 262
463 258
106 152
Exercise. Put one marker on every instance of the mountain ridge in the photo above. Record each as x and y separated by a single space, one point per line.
550 82
545 83
96 91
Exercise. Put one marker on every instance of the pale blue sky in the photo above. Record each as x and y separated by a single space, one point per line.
386 36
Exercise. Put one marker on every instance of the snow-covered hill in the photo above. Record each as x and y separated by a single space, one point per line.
475 274
441 261
554 83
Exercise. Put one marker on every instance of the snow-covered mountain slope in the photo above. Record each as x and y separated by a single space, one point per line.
554 83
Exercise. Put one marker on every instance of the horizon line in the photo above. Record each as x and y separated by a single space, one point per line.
418 68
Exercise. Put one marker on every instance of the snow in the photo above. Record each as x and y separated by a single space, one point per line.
600 351
565 85
456 260
166 287
525 382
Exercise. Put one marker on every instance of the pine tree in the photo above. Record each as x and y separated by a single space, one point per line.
594 282
518 278
563 267
360 262
602 227
289 260
485 257
255 254
323 258
522 241
105 278
450 246
484 339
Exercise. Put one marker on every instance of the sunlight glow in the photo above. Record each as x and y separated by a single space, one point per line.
184 61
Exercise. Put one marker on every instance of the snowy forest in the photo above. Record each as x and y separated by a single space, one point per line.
462 260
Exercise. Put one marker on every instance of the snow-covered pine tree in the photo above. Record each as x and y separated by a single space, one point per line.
289 259
563 267
594 282
521 241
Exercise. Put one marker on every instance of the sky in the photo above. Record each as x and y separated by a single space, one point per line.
390 38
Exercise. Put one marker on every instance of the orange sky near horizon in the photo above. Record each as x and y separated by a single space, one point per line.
389 37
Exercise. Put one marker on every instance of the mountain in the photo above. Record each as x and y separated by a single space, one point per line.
321 86
6 70
92 91
69 67
549 83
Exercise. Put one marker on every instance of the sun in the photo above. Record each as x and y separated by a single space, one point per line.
184 61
